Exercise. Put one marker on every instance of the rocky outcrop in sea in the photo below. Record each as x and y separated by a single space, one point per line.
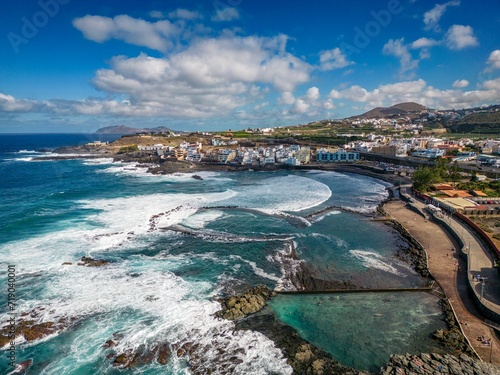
236 307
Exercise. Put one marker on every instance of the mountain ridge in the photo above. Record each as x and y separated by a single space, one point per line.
394 110
124 130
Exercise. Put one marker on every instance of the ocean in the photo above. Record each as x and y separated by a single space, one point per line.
161 286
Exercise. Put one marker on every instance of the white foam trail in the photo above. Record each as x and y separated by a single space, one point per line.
288 265
338 242
279 194
374 260
201 219
318 218
100 161
28 152
138 215
20 159
257 270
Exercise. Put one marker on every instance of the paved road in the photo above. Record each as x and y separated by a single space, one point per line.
443 266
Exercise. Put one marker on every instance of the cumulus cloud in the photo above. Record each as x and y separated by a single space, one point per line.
156 14
226 14
211 77
312 94
432 17
184 14
459 37
493 61
460 83
328 104
333 59
424 43
397 48
10 104
286 98
154 35
300 107
418 91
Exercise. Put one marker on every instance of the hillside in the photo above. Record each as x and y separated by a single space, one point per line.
126 130
487 122
395 110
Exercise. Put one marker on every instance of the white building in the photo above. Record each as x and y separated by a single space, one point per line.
430 153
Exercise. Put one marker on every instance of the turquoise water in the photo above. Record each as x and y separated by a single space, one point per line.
362 330
162 286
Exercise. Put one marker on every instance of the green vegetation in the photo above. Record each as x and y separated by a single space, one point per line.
424 177
127 149
490 188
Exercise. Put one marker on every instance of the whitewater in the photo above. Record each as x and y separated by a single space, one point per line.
174 247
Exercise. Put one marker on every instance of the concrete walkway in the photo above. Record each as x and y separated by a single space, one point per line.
480 263
450 271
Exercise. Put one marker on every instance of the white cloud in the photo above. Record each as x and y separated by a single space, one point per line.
156 14
459 37
403 88
418 91
328 104
226 14
460 83
333 59
312 94
300 107
493 60
10 104
154 35
335 94
211 77
398 49
432 17
309 103
359 94
493 84
424 43
286 98
184 14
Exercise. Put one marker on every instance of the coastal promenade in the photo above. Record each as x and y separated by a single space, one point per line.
450 271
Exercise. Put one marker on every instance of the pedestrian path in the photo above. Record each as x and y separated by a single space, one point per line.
449 270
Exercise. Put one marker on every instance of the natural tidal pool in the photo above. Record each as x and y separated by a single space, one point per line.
362 330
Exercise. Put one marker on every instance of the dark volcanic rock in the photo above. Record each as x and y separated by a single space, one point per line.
254 300
414 252
91 262
451 338
142 355
304 279
22 367
304 357
437 364
28 327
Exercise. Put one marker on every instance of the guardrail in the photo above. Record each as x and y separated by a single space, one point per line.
487 308
480 232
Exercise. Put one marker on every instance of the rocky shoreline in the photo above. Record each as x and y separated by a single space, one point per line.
155 165
249 311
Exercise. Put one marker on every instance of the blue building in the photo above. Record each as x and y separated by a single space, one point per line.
339 155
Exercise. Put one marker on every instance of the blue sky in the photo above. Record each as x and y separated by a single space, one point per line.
76 66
